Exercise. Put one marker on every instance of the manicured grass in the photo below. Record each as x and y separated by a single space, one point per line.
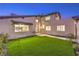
40 46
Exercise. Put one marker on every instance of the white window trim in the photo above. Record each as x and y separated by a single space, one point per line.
57 18
47 18
48 28
24 27
61 28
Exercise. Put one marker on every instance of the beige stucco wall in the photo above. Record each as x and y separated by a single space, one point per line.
69 27
6 27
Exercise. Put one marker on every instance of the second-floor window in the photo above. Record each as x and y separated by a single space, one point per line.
57 18
47 18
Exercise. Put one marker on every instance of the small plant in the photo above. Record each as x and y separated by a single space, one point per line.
33 32
71 36
0 50
5 35
3 41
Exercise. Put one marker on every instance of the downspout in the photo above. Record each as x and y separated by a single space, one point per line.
76 29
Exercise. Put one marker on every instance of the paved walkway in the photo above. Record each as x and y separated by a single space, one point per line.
52 36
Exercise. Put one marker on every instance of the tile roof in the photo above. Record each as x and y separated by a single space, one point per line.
76 17
17 16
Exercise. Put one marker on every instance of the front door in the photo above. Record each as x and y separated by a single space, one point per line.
40 26
42 29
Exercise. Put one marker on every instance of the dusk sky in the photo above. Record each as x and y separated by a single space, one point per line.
66 10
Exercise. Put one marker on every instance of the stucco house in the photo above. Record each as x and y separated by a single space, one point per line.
22 25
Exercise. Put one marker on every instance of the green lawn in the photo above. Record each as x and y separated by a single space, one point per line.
40 46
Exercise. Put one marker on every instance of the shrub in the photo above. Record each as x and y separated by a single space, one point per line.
3 38
34 32
71 36
0 50
3 41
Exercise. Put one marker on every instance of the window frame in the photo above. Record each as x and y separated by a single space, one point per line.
47 18
57 18
61 28
48 28
21 28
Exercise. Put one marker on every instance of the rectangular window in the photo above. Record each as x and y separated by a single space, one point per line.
57 18
43 26
61 28
48 28
58 28
47 18
21 27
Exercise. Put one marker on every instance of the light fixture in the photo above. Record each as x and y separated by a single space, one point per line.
36 20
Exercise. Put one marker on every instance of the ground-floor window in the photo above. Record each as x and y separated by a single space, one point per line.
61 28
21 27
48 28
